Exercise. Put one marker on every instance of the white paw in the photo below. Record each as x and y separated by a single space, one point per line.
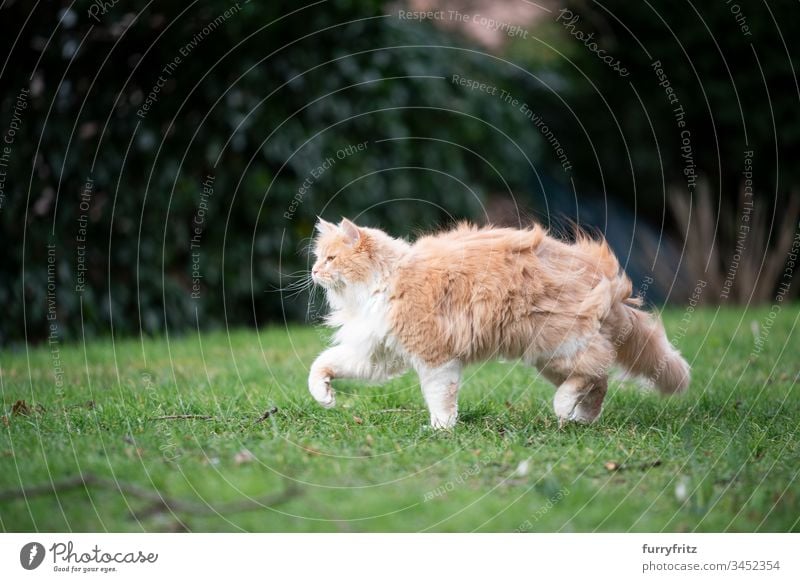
576 412
443 421
582 407
322 392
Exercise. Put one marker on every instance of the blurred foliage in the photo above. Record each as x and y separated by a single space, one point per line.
261 97
258 100
730 66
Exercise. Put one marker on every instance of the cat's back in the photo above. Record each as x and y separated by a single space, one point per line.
466 292
455 270
467 247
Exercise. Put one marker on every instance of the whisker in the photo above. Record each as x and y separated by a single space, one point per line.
296 293
294 286
301 274
312 303
286 289
306 244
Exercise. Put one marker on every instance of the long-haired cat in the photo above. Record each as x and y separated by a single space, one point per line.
471 294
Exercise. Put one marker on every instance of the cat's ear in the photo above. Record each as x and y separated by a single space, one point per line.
351 232
323 226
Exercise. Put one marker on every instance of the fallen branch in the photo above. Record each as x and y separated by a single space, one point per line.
266 414
158 501
183 417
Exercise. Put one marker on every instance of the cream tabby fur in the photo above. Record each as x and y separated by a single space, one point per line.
472 294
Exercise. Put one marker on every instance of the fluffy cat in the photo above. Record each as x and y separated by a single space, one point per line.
471 294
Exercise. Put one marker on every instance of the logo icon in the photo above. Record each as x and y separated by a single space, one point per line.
31 555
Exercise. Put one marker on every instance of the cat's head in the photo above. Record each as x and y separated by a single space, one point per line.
347 254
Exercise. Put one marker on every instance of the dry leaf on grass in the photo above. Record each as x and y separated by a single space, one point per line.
614 466
20 408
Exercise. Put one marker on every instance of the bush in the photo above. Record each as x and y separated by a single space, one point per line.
708 99
738 92
130 116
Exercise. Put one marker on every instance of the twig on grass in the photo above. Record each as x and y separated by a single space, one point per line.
269 412
183 417
385 410
158 501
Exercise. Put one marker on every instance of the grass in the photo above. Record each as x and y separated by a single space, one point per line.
723 457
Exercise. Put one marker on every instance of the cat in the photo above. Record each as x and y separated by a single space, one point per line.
471 294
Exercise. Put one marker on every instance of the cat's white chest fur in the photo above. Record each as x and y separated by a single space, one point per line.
361 317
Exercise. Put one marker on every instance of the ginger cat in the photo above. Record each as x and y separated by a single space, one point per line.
471 294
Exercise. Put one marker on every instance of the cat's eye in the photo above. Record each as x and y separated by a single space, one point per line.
329 258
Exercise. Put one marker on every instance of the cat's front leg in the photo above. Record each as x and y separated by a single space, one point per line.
340 361
319 384
440 388
323 370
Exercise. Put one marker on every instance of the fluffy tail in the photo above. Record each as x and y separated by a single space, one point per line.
646 351
643 347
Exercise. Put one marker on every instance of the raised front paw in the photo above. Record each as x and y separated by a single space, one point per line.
321 390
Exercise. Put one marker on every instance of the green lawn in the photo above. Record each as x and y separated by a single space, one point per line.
723 457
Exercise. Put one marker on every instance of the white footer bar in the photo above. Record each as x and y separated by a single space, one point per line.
389 557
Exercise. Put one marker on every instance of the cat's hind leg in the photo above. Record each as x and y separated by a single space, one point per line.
440 388
580 399
581 381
